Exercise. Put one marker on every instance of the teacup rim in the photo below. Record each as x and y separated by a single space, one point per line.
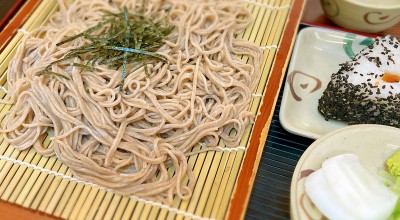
396 5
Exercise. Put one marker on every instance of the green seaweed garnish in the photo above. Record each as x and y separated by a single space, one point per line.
45 71
118 40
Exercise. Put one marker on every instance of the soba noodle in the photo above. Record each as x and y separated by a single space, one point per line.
135 141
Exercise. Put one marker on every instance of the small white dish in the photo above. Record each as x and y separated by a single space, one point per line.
372 143
316 56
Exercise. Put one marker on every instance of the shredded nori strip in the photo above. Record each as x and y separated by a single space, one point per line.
126 39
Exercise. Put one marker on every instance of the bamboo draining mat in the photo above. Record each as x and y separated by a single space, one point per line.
45 184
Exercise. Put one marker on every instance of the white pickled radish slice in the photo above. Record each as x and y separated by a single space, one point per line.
317 188
357 188
347 185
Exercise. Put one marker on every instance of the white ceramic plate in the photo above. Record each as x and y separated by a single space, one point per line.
316 55
372 143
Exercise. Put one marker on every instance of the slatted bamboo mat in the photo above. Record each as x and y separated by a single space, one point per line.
45 184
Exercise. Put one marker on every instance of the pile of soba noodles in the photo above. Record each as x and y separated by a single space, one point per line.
136 139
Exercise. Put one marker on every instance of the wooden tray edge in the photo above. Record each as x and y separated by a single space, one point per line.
243 187
16 22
